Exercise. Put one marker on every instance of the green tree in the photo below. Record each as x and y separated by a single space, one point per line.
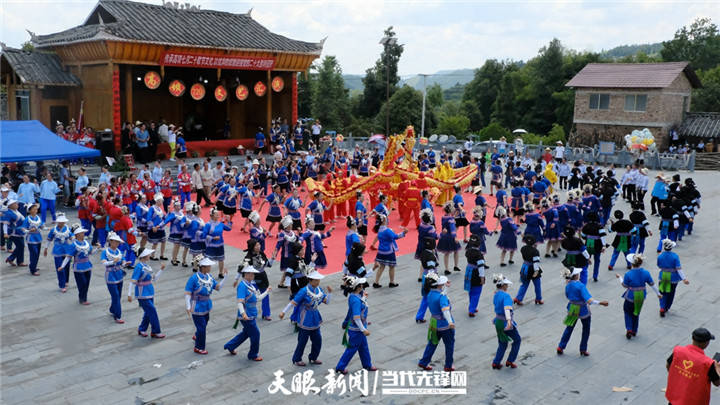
27 46
405 109
483 90
434 96
453 125
698 44
454 93
305 93
708 97
330 102
378 77
508 104
494 131
546 77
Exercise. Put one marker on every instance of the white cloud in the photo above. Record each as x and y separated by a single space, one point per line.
437 34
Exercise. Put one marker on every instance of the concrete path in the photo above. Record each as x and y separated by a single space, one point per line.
54 350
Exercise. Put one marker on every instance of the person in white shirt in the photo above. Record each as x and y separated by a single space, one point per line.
641 184
527 161
563 172
163 131
559 152
468 145
172 138
218 172
316 128
632 184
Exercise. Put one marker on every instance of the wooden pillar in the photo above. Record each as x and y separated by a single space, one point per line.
294 99
269 104
128 93
11 104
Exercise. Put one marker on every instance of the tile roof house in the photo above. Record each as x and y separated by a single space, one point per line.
612 99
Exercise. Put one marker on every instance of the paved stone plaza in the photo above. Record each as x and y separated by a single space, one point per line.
57 351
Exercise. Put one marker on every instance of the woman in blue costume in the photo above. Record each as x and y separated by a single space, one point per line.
307 300
248 295
507 241
387 246
474 273
670 275
143 279
442 324
579 301
197 300
428 264
505 325
534 223
61 237
212 233
355 325
448 243
425 230
634 281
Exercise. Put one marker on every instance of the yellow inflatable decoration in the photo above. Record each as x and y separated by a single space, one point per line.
397 166
551 176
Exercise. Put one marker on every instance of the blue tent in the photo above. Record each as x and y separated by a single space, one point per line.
22 141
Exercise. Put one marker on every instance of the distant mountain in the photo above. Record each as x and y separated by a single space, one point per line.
353 82
627 50
445 78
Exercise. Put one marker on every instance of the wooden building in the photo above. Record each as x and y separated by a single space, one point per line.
613 99
129 61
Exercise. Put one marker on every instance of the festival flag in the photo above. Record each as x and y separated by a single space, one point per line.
80 121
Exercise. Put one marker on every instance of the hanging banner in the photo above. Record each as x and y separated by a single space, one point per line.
220 93
197 91
278 84
152 80
216 61
242 92
260 89
177 88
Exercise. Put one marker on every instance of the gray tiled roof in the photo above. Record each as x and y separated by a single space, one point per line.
704 125
39 68
632 75
132 21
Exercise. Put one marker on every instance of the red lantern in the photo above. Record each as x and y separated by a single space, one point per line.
278 84
242 92
260 89
197 91
152 80
220 93
177 88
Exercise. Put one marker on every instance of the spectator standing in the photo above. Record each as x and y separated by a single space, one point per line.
81 182
171 140
559 152
316 128
142 138
48 190
26 194
207 179
66 180
197 183
690 371
153 141
105 176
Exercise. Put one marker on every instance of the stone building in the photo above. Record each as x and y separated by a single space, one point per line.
612 99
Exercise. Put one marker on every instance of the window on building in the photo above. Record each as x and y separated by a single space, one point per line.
599 101
22 103
636 102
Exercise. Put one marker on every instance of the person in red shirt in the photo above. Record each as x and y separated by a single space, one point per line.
126 229
100 221
148 186
547 156
185 185
166 189
690 371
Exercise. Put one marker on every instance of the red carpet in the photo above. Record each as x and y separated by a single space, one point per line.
335 245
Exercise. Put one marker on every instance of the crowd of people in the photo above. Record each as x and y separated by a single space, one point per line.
130 220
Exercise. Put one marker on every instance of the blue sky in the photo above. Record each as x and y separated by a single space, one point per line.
437 34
